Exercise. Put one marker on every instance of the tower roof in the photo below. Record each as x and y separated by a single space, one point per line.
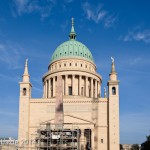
72 48
26 75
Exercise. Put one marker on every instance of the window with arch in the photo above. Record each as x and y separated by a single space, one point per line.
113 90
24 91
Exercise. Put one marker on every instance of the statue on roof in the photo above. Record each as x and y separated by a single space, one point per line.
112 59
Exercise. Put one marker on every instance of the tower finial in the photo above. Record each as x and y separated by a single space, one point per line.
113 65
26 74
113 74
26 64
72 34
72 21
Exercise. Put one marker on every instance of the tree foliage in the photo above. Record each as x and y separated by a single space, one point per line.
146 144
135 147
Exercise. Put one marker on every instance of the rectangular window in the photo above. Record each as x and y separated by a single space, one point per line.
70 90
82 91
102 140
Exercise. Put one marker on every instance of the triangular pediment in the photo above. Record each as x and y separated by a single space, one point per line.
72 119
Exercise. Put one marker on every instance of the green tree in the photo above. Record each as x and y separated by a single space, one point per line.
146 144
135 147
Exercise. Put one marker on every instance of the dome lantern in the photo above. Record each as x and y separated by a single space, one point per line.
72 34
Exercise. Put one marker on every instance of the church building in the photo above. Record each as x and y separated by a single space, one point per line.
72 114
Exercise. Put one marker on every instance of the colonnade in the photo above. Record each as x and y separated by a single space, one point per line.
83 86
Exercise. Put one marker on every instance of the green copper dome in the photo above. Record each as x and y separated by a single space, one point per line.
72 49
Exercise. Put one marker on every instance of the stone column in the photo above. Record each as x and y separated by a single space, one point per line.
92 87
49 88
79 85
98 89
63 83
86 87
46 89
82 145
73 84
54 87
95 88
66 85
92 140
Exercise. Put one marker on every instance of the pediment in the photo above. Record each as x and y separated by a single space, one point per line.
72 119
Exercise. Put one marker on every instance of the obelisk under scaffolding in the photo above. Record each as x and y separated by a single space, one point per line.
59 113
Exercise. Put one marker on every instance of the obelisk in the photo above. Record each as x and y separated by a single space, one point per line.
59 113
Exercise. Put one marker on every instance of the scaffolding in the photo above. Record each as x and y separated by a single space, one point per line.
51 138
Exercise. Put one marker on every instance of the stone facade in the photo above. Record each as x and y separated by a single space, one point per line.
83 104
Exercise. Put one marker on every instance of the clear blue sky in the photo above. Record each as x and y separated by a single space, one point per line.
119 28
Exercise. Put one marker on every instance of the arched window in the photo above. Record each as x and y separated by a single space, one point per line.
113 91
24 91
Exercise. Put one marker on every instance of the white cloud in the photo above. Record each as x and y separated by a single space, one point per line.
138 36
98 14
94 13
110 20
28 6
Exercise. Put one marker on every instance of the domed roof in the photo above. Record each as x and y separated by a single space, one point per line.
72 48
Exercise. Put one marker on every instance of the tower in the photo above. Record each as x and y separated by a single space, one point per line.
113 109
25 95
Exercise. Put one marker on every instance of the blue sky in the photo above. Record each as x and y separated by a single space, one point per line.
34 28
